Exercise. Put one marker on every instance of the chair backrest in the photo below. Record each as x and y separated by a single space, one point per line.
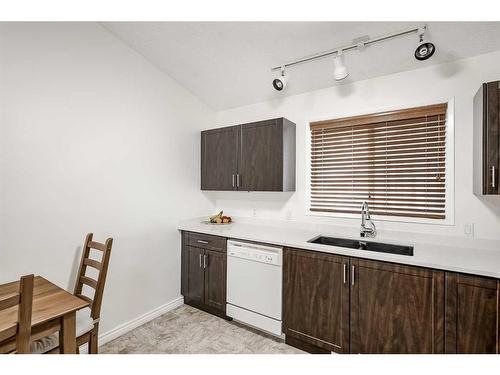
22 330
102 269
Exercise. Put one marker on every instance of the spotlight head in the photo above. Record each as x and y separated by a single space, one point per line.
340 71
425 49
279 84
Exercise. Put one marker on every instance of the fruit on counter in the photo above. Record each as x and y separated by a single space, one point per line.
220 219
215 218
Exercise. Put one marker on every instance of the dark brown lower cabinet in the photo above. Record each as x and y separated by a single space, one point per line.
472 314
196 275
396 308
333 303
215 279
316 301
350 305
203 274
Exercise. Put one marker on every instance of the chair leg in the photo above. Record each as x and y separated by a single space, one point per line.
93 346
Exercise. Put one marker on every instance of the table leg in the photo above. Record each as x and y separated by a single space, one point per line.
67 335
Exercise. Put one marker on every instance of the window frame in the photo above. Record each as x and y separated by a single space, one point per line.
449 166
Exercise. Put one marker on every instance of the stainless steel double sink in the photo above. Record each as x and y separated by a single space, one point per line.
364 245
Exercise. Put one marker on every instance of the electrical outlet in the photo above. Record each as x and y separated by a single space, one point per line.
469 230
254 213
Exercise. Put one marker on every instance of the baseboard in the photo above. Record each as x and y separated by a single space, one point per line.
140 320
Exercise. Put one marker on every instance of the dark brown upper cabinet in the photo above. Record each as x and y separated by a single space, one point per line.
258 156
472 314
219 158
487 139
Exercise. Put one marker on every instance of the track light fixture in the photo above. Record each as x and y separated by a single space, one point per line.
424 51
340 71
279 84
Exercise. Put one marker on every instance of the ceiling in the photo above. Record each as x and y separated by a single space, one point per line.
227 64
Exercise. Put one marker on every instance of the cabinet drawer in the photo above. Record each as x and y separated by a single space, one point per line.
206 241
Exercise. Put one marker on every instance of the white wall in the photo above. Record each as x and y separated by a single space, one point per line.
94 138
459 80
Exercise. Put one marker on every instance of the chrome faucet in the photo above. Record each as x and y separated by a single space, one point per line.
368 228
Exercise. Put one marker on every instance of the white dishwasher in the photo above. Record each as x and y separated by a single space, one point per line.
254 285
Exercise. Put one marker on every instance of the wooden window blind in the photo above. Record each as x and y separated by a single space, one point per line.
393 160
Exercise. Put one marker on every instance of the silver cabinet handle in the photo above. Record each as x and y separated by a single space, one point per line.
200 260
353 270
238 180
205 261
493 176
233 179
201 241
345 273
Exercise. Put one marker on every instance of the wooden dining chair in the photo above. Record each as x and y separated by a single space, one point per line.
87 320
22 330
91 337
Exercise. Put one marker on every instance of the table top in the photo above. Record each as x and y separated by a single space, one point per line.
49 302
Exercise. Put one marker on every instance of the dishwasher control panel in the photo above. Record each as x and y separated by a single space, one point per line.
256 253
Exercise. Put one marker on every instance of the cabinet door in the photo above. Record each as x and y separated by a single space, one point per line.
260 165
316 299
219 158
491 137
195 275
472 313
215 279
396 309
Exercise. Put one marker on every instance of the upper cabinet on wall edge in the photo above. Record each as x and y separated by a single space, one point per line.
487 139
258 156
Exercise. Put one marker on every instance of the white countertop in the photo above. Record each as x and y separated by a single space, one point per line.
445 253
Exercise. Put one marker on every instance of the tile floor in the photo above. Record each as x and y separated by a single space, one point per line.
187 330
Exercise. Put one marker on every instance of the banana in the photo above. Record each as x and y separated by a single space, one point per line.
213 219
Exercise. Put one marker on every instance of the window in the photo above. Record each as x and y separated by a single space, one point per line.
394 160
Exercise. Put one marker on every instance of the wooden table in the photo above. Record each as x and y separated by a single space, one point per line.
54 309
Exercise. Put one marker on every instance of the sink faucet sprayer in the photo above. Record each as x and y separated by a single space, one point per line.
368 228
